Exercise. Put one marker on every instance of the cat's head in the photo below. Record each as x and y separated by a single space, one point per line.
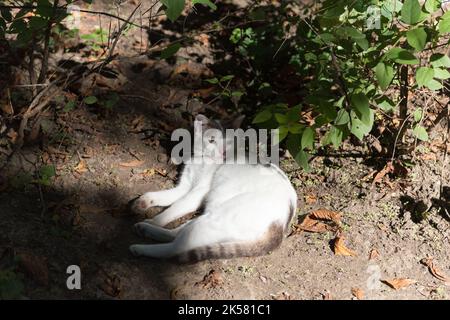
214 141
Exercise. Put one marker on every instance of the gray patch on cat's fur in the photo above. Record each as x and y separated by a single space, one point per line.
268 242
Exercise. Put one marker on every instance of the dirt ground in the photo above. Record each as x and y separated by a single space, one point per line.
106 158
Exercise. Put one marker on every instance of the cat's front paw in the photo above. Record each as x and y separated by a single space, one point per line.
142 204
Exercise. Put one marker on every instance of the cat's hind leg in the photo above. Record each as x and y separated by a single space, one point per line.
163 250
147 230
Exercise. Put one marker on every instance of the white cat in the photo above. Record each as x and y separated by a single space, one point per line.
247 209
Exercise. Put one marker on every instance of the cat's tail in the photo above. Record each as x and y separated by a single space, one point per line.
268 242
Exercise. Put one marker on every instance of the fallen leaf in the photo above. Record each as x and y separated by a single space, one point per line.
316 221
310 199
436 272
399 283
81 167
111 285
373 254
132 163
358 293
340 249
34 266
203 38
212 279
388 168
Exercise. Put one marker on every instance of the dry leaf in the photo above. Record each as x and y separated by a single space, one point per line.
34 266
204 93
373 254
310 199
340 249
112 286
212 279
132 163
81 167
436 272
399 283
388 168
358 293
316 221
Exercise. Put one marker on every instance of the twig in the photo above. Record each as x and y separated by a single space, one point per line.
43 73
398 136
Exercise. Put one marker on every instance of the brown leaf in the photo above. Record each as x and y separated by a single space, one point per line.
340 249
358 293
212 279
204 93
132 163
399 283
373 254
436 272
81 167
316 221
112 286
388 168
310 199
34 266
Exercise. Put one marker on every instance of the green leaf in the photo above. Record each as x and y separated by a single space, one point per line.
170 50
302 159
6 14
342 117
47 171
361 104
384 74
402 56
293 114
434 85
418 115
69 106
417 38
174 8
38 23
90 100
420 133
441 74
440 60
444 26
385 104
432 5
282 133
358 127
212 80
263 116
281 118
411 11
226 78
295 128
308 139
424 75
205 2
44 8
335 136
